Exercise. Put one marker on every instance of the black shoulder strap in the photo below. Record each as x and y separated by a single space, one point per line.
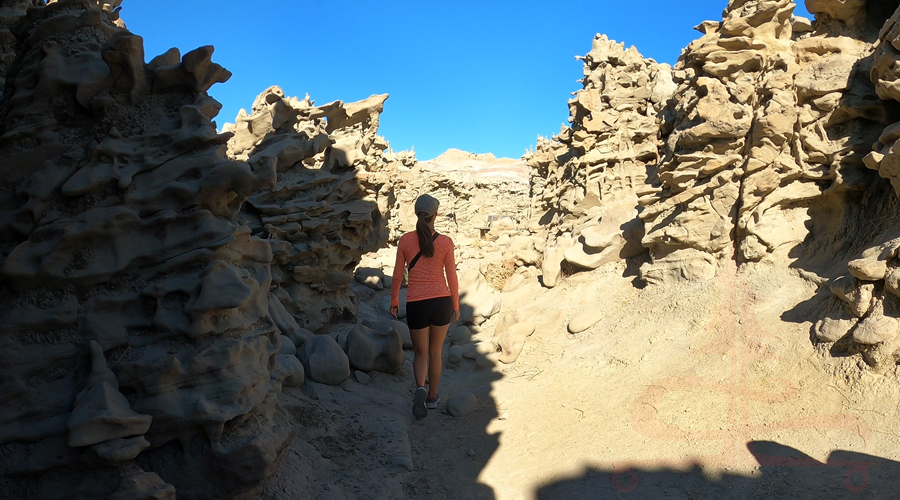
416 258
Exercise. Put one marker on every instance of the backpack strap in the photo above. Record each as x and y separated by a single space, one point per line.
416 258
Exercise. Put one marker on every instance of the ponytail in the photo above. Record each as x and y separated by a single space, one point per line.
426 244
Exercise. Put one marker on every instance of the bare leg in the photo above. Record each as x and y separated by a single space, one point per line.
420 350
436 335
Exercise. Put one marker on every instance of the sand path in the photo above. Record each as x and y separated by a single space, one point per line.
707 390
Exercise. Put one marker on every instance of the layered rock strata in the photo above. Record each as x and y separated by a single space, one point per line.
120 249
331 200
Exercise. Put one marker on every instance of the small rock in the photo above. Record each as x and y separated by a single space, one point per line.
362 377
460 334
868 269
463 404
513 282
479 349
140 484
585 320
833 329
324 360
857 295
117 451
892 281
471 453
876 328
401 374
372 278
511 345
488 360
456 354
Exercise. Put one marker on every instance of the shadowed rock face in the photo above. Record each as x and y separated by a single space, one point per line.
766 124
330 201
117 229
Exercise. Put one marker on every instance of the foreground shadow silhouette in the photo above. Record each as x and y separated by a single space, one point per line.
784 472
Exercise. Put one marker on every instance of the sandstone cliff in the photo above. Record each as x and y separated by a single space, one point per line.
134 324
757 147
331 200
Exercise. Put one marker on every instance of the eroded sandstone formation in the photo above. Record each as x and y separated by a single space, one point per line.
761 145
330 202
136 347
766 126
588 178
864 316
474 190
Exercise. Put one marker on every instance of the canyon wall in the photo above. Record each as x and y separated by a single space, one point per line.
331 201
137 352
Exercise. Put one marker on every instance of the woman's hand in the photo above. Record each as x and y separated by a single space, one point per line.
455 315
395 311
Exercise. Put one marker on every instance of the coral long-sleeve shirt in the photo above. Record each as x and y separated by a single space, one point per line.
427 278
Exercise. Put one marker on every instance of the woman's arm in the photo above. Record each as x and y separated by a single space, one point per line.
397 279
452 281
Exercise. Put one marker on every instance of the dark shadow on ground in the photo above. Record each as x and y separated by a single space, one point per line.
784 472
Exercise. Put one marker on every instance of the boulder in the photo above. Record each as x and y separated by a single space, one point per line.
461 405
398 326
477 300
372 278
324 361
294 368
286 346
375 349
286 323
460 334
585 320
455 355
868 269
513 282
511 345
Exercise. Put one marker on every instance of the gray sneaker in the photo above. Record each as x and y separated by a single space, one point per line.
432 404
418 408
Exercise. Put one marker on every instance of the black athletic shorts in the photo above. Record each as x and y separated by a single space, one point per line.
424 313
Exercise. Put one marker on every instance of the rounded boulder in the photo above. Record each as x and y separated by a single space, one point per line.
324 361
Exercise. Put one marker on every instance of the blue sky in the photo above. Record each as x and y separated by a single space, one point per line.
482 76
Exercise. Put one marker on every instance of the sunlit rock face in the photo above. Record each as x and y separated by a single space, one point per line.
586 181
773 140
864 313
766 124
331 199
118 230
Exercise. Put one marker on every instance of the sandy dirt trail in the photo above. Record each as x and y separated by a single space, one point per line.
709 390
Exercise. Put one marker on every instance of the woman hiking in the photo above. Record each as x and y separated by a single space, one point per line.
432 298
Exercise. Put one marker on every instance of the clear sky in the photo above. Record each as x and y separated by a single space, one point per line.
482 76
